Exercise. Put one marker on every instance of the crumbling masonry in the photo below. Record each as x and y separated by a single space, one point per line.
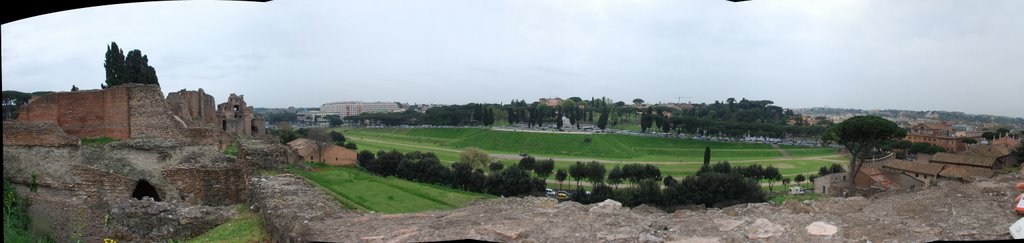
91 192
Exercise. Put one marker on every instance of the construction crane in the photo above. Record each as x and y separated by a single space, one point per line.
679 99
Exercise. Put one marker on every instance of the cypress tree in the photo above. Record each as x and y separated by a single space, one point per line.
707 155
114 65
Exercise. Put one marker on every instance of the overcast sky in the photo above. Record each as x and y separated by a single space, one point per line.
920 55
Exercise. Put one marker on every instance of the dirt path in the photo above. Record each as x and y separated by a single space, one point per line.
517 157
781 151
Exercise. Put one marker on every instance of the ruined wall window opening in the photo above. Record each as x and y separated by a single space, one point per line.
255 130
236 107
224 125
144 189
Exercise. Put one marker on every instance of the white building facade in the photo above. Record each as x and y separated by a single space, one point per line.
352 108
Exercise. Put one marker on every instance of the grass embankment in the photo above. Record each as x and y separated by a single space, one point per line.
361 190
246 228
685 156
97 141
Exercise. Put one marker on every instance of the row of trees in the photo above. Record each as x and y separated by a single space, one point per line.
835 168
731 118
715 185
454 115
718 187
427 168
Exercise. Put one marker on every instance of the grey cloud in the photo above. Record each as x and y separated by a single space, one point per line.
933 55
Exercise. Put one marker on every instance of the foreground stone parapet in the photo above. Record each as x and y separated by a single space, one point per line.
293 210
148 220
298 211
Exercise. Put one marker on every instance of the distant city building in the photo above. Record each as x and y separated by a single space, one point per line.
315 118
939 134
422 108
680 106
352 108
551 102
1009 142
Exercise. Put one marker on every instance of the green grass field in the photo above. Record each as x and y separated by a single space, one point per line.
602 146
675 157
246 228
360 190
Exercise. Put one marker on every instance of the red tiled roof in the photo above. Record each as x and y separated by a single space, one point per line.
917 167
988 150
303 147
963 159
966 172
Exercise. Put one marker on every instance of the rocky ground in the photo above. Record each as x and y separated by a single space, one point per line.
294 210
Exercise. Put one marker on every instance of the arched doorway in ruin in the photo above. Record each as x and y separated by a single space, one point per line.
144 189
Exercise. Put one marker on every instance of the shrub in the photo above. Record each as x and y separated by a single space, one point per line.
716 189
231 150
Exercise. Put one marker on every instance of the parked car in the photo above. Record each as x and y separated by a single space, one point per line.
563 196
549 192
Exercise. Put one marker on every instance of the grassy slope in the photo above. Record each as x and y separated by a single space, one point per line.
247 227
387 195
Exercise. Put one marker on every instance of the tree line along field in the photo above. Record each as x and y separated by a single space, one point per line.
358 189
675 157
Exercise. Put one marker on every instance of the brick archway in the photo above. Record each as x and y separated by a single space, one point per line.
144 189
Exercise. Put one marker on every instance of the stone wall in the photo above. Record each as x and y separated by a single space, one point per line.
184 173
289 207
149 114
80 185
43 133
196 108
263 154
87 113
149 221
69 218
210 186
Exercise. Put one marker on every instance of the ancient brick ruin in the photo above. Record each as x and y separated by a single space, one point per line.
235 117
90 192
196 108
120 112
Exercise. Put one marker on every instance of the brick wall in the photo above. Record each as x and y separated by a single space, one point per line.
210 186
89 113
45 133
95 185
120 112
